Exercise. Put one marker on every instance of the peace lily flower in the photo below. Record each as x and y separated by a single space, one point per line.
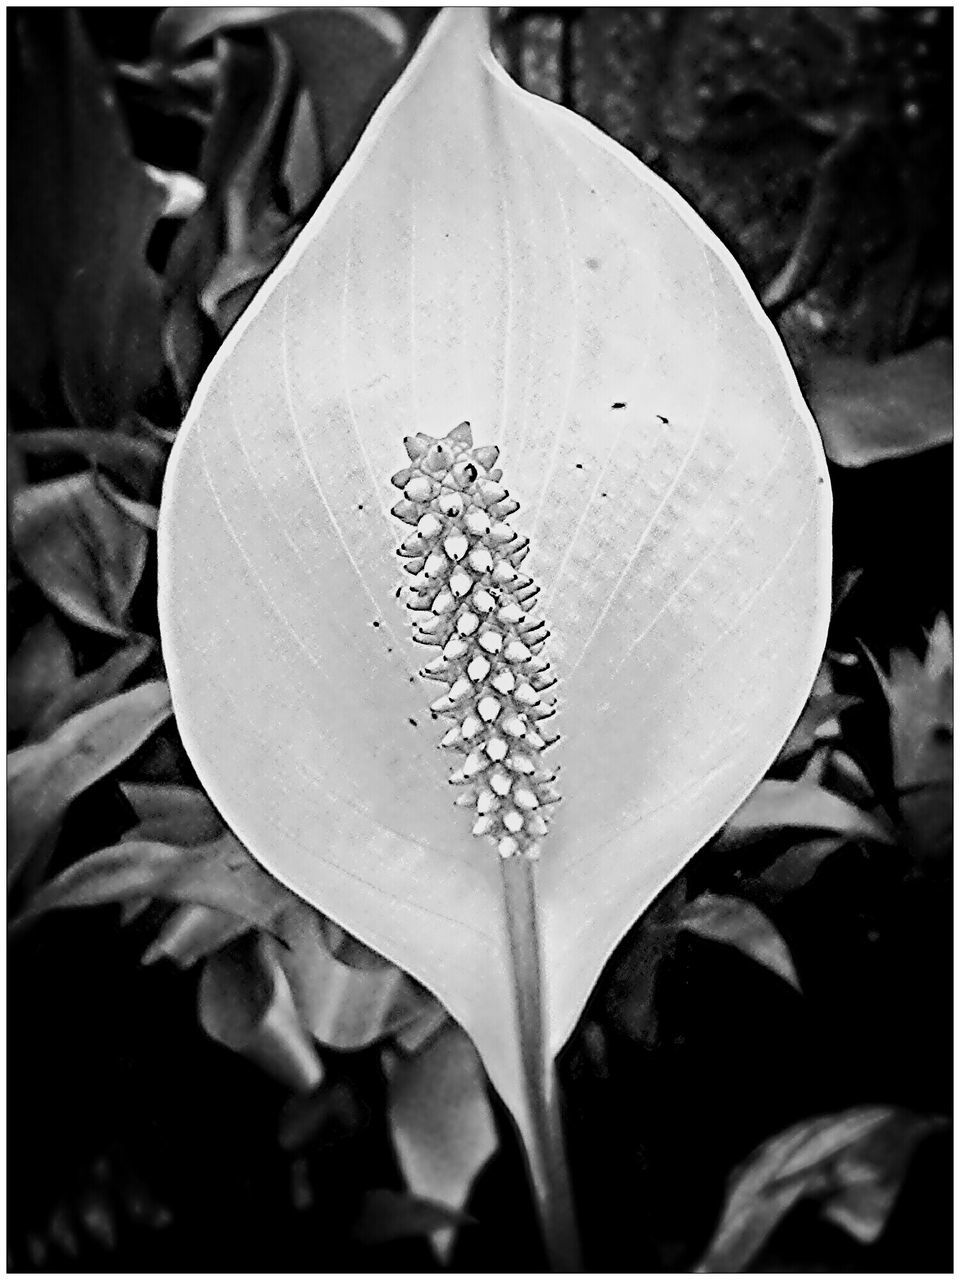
487 257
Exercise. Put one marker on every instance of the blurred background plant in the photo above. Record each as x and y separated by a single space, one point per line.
213 1074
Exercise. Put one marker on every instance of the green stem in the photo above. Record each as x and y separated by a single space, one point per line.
549 1173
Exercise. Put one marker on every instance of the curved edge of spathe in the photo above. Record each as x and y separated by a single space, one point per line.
405 83
822 531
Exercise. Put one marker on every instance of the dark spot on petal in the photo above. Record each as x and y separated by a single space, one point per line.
376 623
579 466
413 722
603 495
412 679
619 404
397 593
359 506
593 264
819 479
389 650
665 421
434 716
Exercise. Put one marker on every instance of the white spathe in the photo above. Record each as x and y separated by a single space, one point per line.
487 255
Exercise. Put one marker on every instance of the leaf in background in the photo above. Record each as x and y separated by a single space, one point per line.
873 412
238 275
920 695
140 513
219 874
45 778
185 92
269 148
343 1007
173 814
38 671
387 1216
853 1162
245 1004
83 554
798 865
139 462
345 57
871 1172
441 1124
428 1017
742 925
85 304
631 993
303 160
486 255
776 805
192 932
78 694
818 723
848 779
120 873
240 167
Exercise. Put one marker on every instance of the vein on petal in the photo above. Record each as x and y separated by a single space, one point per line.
704 559
574 347
686 673
288 394
345 382
671 489
414 389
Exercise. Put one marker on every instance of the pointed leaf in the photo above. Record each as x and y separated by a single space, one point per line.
172 814
830 1158
121 873
441 1124
43 779
486 255
39 669
83 554
219 874
920 695
741 925
138 461
245 1004
96 686
802 805
798 865
143 514
872 412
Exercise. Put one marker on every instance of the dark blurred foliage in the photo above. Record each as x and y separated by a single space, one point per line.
160 162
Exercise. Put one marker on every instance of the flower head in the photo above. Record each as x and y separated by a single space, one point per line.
472 603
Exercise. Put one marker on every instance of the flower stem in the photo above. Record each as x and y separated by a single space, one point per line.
549 1173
